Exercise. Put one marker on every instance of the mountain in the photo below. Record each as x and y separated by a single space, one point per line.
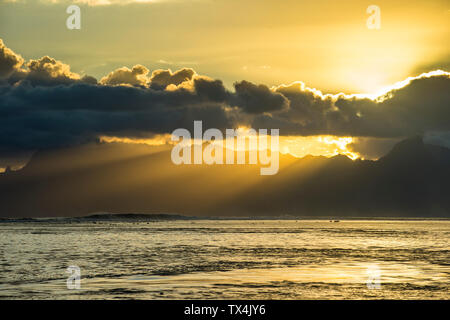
412 180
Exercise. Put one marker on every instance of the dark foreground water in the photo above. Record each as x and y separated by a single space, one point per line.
233 259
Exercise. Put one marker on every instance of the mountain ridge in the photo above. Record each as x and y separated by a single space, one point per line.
412 180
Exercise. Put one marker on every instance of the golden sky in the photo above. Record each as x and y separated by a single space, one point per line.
325 44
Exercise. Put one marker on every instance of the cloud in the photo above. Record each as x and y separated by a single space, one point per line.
161 79
35 117
10 62
258 98
47 69
415 106
137 76
45 105
212 90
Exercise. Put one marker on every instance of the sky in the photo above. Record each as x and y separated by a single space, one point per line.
153 66
326 44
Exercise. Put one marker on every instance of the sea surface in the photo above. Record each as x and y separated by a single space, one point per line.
226 259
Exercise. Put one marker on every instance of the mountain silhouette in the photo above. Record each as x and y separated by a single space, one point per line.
412 180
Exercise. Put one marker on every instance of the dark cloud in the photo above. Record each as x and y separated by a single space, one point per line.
88 79
33 117
307 110
45 105
212 90
258 98
419 106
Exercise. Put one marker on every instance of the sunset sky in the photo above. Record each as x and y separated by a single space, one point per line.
326 44
261 64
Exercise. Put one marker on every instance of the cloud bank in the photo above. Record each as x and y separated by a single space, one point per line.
43 104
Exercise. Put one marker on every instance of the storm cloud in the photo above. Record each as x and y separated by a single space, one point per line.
43 104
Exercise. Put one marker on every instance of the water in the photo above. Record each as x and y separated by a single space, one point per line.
226 259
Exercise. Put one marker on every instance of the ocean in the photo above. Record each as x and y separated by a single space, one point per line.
224 259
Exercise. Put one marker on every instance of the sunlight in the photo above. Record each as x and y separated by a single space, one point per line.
297 146
327 146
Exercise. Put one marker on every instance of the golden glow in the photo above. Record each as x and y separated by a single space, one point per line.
381 94
339 145
378 96
156 140
325 43
327 146
297 146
